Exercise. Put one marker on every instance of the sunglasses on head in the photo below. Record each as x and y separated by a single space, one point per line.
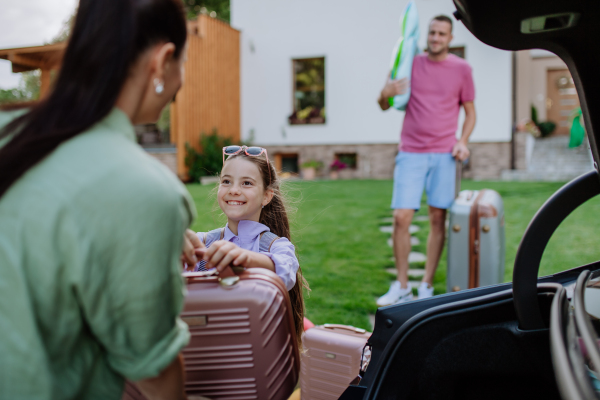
249 151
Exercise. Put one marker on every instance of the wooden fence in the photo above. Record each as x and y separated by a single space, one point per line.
210 96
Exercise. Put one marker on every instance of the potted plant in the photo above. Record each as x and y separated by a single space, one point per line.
335 167
309 169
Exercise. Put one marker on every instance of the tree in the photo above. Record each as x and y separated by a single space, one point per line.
27 90
197 7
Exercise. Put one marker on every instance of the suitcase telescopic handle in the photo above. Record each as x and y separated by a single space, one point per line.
346 327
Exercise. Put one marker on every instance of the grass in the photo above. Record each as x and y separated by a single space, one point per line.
344 255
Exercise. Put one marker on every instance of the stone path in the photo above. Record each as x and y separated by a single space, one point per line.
418 218
411 272
414 241
413 257
390 229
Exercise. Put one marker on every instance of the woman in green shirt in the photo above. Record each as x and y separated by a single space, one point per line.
91 227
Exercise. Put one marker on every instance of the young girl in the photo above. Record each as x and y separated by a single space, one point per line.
257 231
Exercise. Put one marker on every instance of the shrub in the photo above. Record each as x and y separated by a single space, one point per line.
337 165
209 160
312 164
534 115
546 128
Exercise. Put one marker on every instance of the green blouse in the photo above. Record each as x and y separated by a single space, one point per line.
90 272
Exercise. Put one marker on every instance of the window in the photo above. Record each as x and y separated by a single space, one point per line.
458 51
287 163
349 159
309 91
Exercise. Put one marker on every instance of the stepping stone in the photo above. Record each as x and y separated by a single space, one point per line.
390 229
414 284
372 321
387 220
411 272
413 257
416 257
421 218
413 241
387 229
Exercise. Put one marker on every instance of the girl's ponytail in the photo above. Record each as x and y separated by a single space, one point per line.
107 38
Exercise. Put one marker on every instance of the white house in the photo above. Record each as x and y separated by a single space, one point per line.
354 41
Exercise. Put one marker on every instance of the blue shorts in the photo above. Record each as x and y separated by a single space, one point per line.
436 172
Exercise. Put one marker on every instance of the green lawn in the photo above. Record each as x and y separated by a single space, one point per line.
344 255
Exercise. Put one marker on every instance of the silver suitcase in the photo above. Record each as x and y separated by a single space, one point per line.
476 244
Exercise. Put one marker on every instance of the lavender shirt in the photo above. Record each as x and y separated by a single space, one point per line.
282 250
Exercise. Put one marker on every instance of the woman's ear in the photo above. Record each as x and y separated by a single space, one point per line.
163 55
269 193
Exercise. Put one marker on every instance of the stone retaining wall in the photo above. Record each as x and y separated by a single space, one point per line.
376 161
166 155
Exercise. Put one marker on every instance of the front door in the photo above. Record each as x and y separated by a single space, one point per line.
561 99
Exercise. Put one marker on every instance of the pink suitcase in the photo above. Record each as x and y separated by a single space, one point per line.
331 361
243 344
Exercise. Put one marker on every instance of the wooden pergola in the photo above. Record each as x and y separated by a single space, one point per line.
46 58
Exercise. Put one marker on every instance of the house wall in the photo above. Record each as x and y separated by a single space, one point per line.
356 39
532 67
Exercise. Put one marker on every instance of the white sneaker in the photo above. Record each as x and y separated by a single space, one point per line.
395 295
425 290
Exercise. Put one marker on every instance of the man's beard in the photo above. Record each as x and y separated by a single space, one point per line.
441 51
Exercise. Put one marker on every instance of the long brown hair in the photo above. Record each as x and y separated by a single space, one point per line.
107 39
275 216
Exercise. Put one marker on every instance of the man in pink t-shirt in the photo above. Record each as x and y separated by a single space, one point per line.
440 84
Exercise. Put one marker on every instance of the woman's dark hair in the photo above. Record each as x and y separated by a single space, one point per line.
274 215
107 39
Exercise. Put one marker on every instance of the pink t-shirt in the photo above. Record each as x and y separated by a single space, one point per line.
438 88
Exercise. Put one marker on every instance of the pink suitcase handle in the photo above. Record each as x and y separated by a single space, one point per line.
346 327
227 278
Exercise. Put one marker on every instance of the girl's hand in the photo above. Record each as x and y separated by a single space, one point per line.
192 248
222 253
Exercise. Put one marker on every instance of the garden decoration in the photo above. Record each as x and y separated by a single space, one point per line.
404 52
577 130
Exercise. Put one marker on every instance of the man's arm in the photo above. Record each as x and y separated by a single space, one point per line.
460 150
169 385
391 89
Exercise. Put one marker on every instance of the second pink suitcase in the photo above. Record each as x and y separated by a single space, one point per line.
331 360
243 343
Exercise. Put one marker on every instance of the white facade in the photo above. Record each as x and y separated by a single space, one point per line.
356 38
